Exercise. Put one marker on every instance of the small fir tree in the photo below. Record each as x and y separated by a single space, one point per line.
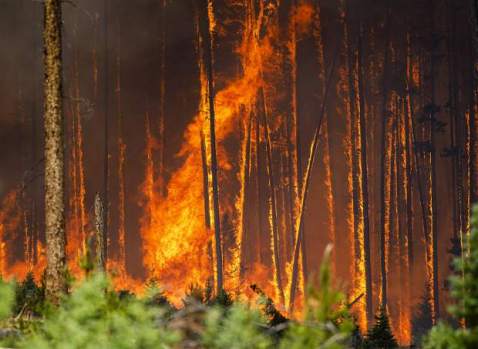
380 335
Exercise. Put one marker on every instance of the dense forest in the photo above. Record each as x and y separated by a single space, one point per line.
217 148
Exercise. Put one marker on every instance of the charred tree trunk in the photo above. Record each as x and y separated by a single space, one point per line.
205 30
273 201
303 198
365 193
434 125
385 116
106 132
244 210
54 162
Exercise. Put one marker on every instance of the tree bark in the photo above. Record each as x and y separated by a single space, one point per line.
54 157
100 233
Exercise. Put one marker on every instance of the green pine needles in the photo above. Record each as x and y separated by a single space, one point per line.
464 290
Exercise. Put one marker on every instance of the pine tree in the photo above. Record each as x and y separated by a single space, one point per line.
464 290
381 336
422 320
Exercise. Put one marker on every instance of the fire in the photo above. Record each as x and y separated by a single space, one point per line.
303 17
177 220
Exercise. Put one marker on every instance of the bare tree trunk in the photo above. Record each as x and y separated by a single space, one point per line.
100 232
434 205
106 132
365 194
259 192
310 163
244 210
273 201
121 164
473 180
206 10
383 267
54 163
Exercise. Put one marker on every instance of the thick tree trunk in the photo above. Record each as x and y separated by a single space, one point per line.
54 164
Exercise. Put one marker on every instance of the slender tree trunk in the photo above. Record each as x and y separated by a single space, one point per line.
272 201
303 198
121 164
206 10
473 180
54 164
433 164
162 97
100 231
244 209
383 267
259 192
106 131
365 191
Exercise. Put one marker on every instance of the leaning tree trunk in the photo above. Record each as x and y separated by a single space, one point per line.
54 177
305 187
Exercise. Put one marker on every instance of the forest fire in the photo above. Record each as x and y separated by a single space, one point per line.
242 137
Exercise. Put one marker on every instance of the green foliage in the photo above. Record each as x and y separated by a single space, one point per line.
381 335
464 290
327 323
93 316
7 296
237 328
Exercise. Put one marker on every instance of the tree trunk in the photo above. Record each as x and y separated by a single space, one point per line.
433 164
245 190
100 233
365 194
106 133
54 164
206 11
383 267
303 198
273 201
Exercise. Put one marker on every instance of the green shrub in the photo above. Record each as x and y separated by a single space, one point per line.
7 296
236 328
93 316
327 323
